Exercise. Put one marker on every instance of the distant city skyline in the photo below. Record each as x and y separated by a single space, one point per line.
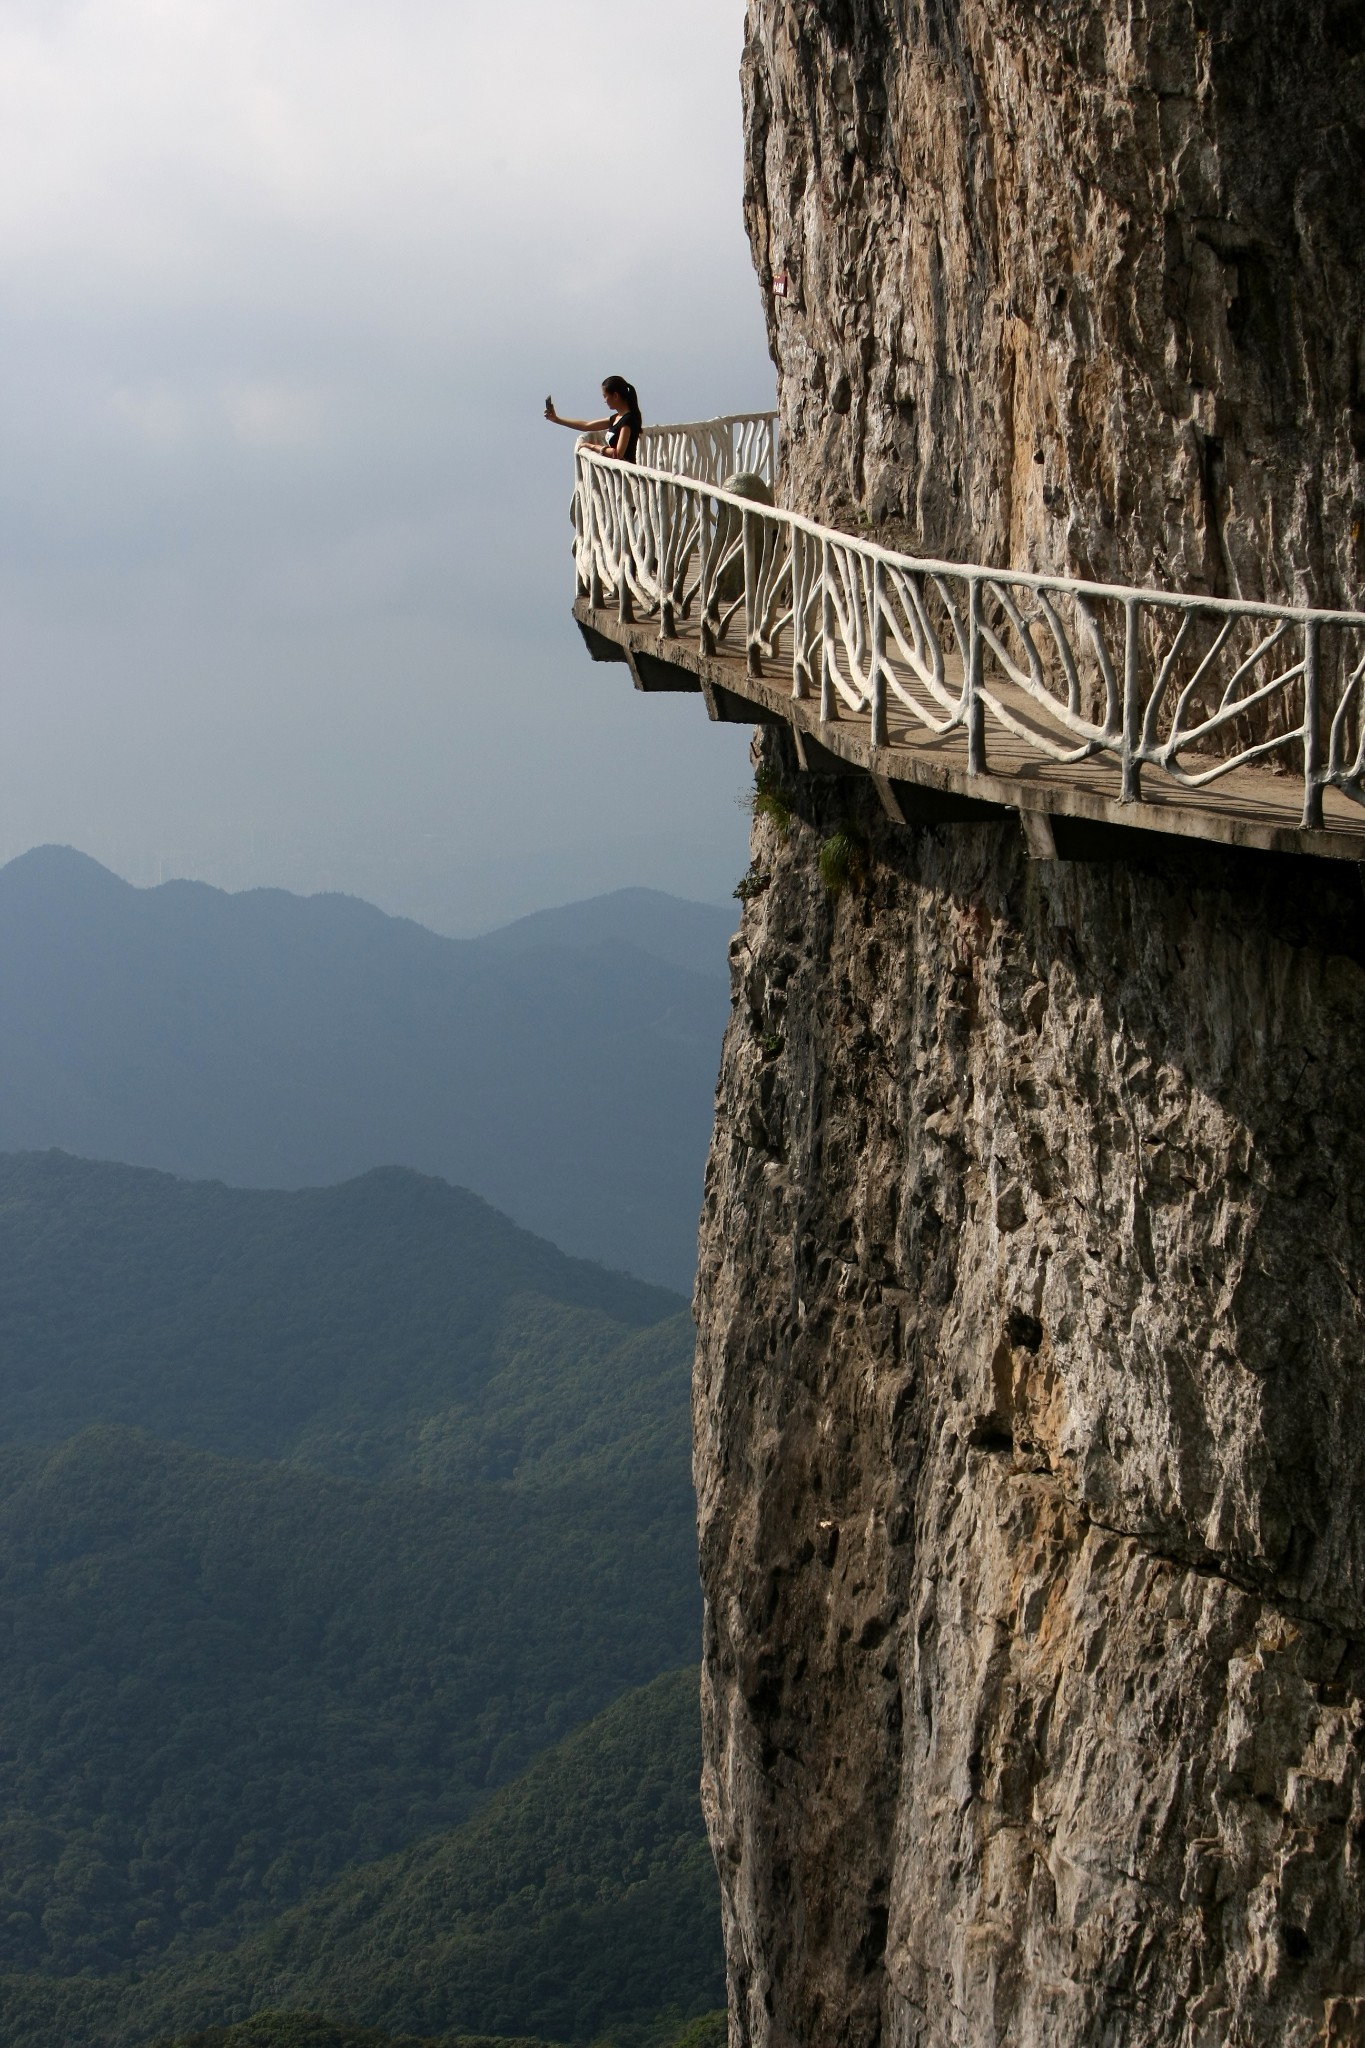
284 583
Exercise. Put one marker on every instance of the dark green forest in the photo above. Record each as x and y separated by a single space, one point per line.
315 2030
339 1532
579 1905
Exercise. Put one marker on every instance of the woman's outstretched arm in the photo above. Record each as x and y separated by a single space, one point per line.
579 426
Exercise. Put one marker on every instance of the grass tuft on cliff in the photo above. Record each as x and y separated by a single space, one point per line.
843 857
768 800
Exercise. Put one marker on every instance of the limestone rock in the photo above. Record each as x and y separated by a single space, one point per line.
1030 1401
1030 1414
1074 286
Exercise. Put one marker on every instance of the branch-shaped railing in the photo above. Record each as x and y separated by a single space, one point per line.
1192 687
712 450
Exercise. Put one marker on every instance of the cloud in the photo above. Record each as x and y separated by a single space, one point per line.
267 416
148 137
153 413
284 282
274 415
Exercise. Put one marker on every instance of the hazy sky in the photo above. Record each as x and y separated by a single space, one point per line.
284 570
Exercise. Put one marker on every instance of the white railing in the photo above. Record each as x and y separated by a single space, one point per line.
712 450
1192 687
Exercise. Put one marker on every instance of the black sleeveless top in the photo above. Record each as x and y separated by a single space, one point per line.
625 434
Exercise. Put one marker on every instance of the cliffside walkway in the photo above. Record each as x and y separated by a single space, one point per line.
964 690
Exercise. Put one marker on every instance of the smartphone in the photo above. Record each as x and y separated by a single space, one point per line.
549 405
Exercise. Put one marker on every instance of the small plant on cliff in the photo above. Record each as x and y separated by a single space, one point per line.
842 856
766 800
751 885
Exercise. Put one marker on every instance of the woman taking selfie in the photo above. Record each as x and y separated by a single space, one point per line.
622 426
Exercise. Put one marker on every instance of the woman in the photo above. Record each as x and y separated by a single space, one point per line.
621 427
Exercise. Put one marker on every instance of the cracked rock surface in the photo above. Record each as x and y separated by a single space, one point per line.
1030 1417
1073 286
1030 1400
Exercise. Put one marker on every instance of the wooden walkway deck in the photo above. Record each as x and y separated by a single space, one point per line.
922 776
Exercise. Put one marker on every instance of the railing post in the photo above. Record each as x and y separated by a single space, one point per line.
1130 790
755 660
800 575
878 679
625 607
1312 730
597 596
973 709
706 542
668 627
582 553
828 709
586 523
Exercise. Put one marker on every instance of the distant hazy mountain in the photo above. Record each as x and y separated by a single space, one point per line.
694 936
563 1067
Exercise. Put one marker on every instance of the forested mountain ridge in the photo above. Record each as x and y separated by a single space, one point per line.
564 1067
315 2030
223 1683
352 1326
321 1514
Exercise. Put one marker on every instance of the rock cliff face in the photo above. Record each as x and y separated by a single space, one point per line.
1030 1403
1075 284
1030 1413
